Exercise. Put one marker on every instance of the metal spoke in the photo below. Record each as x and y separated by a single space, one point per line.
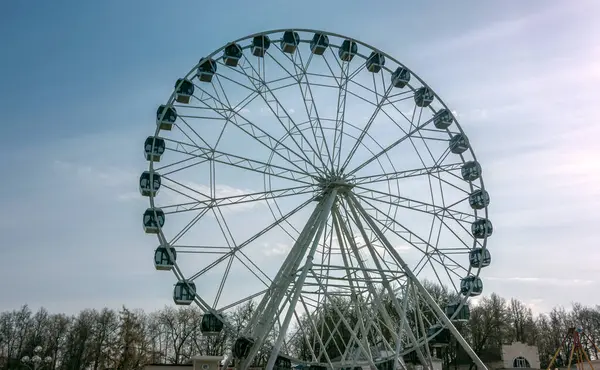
388 148
235 199
260 135
366 129
406 173
261 167
291 126
413 204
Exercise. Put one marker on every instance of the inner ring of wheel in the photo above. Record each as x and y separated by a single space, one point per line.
278 213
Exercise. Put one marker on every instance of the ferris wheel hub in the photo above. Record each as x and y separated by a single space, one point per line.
328 183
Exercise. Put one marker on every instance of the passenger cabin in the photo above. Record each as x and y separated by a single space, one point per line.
479 199
319 44
482 228
232 54
471 286
480 257
165 117
151 225
471 171
162 258
206 69
386 365
411 358
154 147
375 62
459 144
149 183
184 292
211 324
242 347
423 97
184 89
348 50
443 119
282 363
290 42
455 313
400 77
442 338
260 45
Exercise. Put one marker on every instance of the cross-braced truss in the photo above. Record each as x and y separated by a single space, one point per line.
316 183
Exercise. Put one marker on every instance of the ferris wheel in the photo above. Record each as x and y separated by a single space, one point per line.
322 185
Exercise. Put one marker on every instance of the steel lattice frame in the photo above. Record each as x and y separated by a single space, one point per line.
331 136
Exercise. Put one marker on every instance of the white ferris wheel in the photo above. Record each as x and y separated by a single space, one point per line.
322 180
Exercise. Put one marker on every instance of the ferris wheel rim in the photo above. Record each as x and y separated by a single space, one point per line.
179 274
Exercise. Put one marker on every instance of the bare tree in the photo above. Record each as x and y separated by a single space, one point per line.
129 339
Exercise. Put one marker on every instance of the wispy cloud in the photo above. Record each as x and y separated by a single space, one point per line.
201 192
543 280
275 249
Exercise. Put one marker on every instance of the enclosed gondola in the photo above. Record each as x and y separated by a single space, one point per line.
400 77
184 89
166 117
290 41
348 50
375 62
154 147
455 313
471 171
319 43
260 45
386 365
149 183
443 336
459 144
443 119
282 363
479 199
211 324
411 358
163 260
424 96
232 54
471 286
206 69
154 219
482 228
184 292
242 347
480 257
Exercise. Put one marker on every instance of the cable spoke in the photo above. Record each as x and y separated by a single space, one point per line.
239 162
413 204
406 173
235 199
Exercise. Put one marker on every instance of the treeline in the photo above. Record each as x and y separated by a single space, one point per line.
128 339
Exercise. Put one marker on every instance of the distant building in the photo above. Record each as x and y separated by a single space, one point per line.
520 355
516 355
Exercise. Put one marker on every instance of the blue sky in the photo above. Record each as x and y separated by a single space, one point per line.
81 82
